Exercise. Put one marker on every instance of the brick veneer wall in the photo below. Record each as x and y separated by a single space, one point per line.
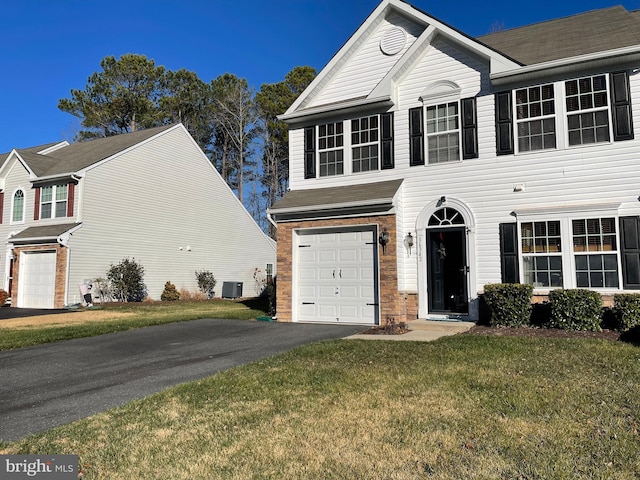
61 271
393 304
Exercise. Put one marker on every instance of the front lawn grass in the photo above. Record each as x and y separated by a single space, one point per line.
127 316
463 407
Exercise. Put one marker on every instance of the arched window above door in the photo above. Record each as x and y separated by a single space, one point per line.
445 217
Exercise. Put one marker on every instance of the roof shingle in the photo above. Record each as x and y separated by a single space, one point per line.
590 32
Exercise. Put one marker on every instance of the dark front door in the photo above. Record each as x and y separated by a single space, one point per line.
447 270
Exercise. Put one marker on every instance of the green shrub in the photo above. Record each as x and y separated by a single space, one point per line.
170 293
127 281
575 309
509 304
626 308
3 297
206 282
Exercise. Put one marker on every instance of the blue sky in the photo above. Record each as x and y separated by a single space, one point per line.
50 47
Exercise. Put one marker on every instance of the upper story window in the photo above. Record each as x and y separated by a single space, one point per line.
365 137
587 110
535 118
356 145
17 210
597 110
330 148
53 201
443 133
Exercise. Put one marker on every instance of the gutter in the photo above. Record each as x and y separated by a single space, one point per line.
72 175
333 109
333 206
568 65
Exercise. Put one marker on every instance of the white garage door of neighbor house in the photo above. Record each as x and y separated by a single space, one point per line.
337 278
37 281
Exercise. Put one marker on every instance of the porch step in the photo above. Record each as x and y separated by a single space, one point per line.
450 327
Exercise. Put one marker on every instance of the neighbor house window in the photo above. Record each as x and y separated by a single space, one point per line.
53 201
595 249
17 213
443 133
535 118
330 148
587 110
364 141
541 253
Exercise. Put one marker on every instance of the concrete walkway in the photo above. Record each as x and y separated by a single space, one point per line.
421 331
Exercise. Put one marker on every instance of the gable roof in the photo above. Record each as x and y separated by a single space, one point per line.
595 39
77 156
591 32
381 94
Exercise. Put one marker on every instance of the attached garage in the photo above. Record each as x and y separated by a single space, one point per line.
337 277
37 279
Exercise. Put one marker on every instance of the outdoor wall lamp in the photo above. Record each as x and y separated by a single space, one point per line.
408 242
443 200
384 238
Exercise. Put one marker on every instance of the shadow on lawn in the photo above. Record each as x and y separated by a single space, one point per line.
632 336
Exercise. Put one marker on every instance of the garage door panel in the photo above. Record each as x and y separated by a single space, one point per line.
326 273
344 279
326 291
327 255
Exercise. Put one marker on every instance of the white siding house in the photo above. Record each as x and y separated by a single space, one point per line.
507 158
150 195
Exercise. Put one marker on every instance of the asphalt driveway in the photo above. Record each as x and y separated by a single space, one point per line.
50 385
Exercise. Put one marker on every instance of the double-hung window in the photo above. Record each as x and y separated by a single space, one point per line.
587 110
53 201
365 135
595 251
541 248
535 118
443 132
572 252
330 149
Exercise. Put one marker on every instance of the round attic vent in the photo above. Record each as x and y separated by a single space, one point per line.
393 41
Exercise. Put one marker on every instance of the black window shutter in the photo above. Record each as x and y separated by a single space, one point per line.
469 129
621 106
504 124
630 252
509 253
416 136
386 119
310 152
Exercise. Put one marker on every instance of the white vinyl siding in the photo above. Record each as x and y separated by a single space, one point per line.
367 64
221 235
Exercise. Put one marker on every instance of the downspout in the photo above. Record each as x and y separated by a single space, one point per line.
272 221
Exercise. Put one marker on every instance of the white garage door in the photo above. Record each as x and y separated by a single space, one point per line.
337 278
37 280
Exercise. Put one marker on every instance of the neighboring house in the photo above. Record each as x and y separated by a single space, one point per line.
70 211
505 158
